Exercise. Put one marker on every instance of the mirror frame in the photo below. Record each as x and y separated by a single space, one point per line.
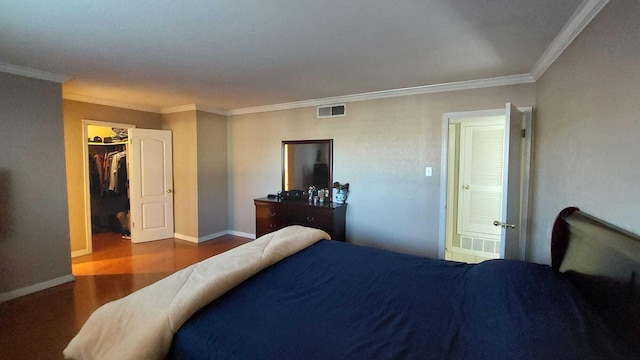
328 142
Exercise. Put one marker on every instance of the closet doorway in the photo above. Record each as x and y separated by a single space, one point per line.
484 185
106 184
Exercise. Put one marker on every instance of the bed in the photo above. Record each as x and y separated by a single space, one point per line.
327 299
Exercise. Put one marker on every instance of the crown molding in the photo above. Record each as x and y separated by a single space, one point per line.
578 21
178 109
151 109
417 90
212 110
193 107
92 100
33 73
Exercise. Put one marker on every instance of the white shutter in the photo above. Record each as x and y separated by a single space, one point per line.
481 179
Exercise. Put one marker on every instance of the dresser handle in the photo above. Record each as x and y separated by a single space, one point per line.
310 218
273 226
272 213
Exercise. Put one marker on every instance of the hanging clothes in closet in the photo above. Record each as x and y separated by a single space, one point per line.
109 173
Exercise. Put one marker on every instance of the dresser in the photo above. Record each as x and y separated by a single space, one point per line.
272 214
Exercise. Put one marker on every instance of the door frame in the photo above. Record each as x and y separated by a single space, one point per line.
526 173
87 187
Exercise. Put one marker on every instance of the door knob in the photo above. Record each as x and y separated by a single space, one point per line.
467 187
503 225
169 191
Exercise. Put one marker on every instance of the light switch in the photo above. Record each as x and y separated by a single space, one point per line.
428 171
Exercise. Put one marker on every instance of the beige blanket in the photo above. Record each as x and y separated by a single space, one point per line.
141 325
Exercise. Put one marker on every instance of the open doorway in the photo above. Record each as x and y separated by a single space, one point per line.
106 189
474 192
486 159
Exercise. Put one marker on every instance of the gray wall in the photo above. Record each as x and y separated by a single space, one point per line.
381 148
34 223
199 173
588 127
213 197
184 127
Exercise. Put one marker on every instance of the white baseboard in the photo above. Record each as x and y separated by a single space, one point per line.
212 236
198 240
242 234
82 252
35 288
186 238
201 239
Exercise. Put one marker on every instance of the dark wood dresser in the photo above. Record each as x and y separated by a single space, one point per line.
272 214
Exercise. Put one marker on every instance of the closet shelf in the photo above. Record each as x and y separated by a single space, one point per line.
108 144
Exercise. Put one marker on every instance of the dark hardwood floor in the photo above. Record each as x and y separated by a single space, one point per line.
40 325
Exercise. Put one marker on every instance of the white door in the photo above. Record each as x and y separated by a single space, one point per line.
481 171
513 201
150 184
479 193
512 183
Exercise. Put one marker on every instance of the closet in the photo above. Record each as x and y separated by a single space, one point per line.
108 180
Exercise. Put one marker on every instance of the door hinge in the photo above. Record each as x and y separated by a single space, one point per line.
524 131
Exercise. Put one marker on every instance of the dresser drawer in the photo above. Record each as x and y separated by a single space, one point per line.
265 226
270 218
271 212
272 215
315 218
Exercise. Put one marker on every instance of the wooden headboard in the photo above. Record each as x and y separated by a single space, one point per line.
603 263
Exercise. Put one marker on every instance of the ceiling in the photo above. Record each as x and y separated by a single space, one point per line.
230 55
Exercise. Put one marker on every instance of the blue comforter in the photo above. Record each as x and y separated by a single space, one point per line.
340 301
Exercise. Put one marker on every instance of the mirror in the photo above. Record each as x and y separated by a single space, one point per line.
305 163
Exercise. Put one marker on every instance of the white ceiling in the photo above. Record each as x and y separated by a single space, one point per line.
238 54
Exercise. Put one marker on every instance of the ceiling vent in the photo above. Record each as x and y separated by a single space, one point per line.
327 111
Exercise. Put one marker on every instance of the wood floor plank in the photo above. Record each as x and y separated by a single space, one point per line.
40 325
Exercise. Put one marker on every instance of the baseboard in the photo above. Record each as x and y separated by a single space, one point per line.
82 252
242 234
197 240
186 238
213 236
35 288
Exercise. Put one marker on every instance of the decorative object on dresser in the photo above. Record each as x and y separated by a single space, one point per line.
340 192
273 214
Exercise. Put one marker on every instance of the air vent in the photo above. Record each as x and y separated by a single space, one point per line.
480 244
327 111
